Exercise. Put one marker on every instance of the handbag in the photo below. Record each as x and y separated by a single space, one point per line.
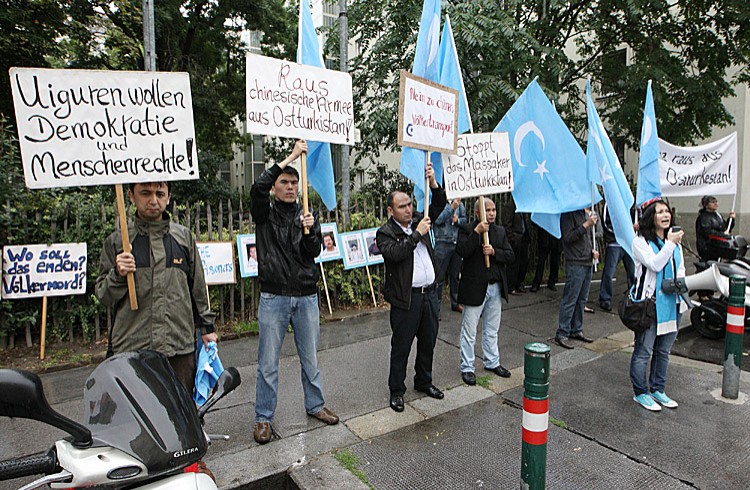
635 313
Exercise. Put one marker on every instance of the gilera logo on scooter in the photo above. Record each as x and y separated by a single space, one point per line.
185 452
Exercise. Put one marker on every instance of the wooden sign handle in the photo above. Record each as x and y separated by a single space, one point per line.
43 334
303 178
426 185
372 290
485 235
126 243
325 287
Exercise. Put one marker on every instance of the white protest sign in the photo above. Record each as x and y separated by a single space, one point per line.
33 271
427 114
87 127
218 262
298 101
699 170
481 166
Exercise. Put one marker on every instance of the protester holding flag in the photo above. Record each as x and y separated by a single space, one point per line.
613 254
579 257
658 256
710 222
446 235
410 288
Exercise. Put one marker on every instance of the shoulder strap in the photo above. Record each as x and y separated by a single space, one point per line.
641 282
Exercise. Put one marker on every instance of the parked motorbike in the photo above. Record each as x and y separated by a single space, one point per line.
140 428
709 316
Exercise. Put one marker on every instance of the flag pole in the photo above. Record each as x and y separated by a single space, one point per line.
593 228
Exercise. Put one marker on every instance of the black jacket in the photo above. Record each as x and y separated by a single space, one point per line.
708 223
474 274
286 256
516 225
577 241
398 252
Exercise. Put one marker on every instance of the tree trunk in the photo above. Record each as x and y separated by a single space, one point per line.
29 340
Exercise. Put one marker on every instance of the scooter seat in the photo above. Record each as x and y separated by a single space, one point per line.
730 268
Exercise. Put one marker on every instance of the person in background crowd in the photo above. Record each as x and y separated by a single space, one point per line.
658 256
710 222
579 259
546 244
517 227
411 289
449 262
482 288
288 291
613 254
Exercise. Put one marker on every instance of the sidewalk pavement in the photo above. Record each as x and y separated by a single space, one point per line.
598 437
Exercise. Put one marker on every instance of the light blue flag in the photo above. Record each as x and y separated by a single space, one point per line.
426 65
450 75
549 167
319 161
649 185
605 169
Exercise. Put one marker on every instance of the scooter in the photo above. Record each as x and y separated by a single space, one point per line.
709 315
140 429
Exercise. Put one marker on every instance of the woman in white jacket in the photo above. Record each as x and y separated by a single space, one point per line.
658 256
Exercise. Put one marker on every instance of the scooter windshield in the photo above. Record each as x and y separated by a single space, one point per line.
134 402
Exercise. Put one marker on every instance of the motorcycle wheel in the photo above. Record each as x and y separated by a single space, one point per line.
700 320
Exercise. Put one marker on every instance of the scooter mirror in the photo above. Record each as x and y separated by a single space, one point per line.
23 397
227 382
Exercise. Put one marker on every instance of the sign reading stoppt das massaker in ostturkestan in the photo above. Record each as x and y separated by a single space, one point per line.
427 114
88 127
481 166
298 101
32 271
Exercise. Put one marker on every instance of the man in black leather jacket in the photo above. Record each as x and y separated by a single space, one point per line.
411 289
288 290
710 222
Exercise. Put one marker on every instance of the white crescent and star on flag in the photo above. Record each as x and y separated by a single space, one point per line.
523 130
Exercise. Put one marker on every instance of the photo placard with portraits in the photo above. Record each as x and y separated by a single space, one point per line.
353 245
372 252
248 255
330 249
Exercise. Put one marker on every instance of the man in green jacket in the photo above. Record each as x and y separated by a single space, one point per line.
169 282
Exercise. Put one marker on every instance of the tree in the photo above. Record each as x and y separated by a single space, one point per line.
682 46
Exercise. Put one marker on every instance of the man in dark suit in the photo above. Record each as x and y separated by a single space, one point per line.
411 289
481 288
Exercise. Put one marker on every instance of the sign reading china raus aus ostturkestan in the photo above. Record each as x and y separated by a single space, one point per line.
89 127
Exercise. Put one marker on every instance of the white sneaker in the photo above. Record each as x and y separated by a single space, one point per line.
645 400
660 397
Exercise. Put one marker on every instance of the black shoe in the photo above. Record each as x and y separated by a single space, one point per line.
551 286
432 392
582 338
397 403
534 288
605 306
563 342
500 371
469 378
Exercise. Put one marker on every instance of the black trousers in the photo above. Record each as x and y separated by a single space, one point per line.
552 248
420 321
184 366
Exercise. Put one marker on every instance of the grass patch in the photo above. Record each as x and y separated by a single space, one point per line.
558 423
245 327
484 381
351 462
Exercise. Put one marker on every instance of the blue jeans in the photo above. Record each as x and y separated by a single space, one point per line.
614 254
275 314
575 295
491 311
449 267
646 344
